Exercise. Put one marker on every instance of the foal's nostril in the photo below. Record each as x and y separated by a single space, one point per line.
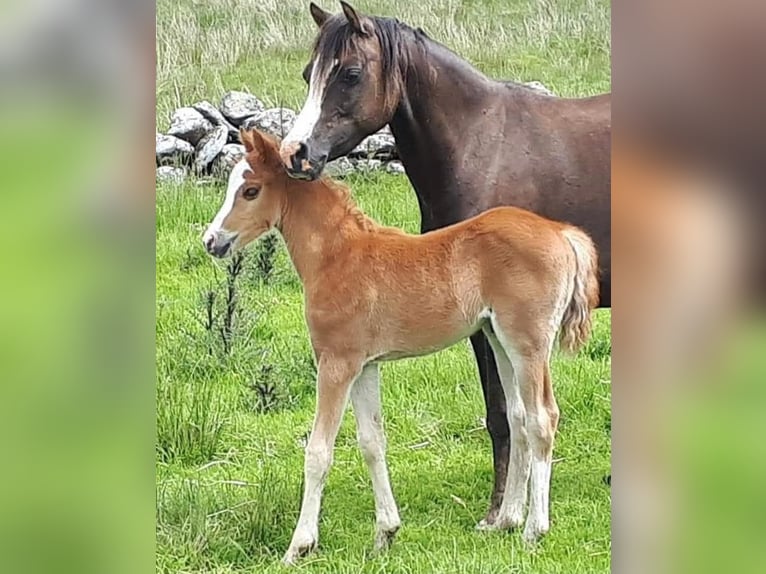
209 240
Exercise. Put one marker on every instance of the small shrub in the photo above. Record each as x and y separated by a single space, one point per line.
264 258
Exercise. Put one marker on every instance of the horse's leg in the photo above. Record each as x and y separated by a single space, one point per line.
365 398
511 511
497 422
334 380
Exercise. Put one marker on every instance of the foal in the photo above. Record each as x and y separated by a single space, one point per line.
374 294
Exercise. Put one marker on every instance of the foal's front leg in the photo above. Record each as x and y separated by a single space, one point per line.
335 376
365 398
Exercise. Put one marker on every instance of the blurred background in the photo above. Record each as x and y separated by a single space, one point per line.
77 407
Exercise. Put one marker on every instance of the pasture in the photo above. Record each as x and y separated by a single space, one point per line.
235 394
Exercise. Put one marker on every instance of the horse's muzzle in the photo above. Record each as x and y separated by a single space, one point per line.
301 162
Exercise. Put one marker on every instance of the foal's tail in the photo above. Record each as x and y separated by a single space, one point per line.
575 325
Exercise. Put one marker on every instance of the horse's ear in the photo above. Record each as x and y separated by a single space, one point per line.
319 15
358 23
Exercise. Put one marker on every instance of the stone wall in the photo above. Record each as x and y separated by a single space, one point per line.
203 140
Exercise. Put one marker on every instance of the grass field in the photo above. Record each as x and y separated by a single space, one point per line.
235 398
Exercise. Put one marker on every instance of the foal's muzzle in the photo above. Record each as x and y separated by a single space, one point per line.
302 161
219 244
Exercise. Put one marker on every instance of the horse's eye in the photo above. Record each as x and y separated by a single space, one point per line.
352 75
251 193
307 74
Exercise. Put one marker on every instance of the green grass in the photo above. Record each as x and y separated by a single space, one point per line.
230 426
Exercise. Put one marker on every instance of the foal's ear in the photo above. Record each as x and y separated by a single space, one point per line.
358 23
319 15
252 140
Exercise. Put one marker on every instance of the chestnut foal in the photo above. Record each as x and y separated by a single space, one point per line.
374 294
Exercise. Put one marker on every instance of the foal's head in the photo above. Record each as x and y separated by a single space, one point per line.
354 88
254 197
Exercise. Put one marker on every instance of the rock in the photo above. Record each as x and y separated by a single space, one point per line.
189 125
368 165
377 146
227 159
274 121
209 147
215 117
171 150
170 174
539 87
340 167
236 106
395 167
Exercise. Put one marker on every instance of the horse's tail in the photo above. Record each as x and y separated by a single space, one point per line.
575 325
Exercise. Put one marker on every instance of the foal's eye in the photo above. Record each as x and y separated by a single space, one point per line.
352 75
251 193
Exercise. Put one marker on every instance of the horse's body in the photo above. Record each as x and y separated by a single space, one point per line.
468 143
374 293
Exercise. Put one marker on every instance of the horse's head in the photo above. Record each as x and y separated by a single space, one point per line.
254 197
353 89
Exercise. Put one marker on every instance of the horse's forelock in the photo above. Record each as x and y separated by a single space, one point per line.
336 38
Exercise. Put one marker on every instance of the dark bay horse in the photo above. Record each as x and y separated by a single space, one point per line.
468 143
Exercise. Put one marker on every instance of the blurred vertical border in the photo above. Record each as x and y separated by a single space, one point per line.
689 369
77 299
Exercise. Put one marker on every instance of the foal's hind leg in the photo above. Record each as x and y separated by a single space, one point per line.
530 353
365 398
511 511
497 422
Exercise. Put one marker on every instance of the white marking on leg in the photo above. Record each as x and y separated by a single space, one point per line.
312 108
538 520
331 405
236 179
511 513
365 398
541 440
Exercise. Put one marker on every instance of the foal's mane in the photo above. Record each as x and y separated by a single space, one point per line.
342 195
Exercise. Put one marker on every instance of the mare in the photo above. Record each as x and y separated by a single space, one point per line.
468 143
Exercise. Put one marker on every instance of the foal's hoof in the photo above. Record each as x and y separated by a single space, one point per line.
488 522
384 537
485 525
503 521
297 551
533 533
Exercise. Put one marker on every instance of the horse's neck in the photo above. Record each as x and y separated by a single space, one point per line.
442 97
315 225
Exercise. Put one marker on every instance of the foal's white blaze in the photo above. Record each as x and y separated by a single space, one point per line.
236 179
309 115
